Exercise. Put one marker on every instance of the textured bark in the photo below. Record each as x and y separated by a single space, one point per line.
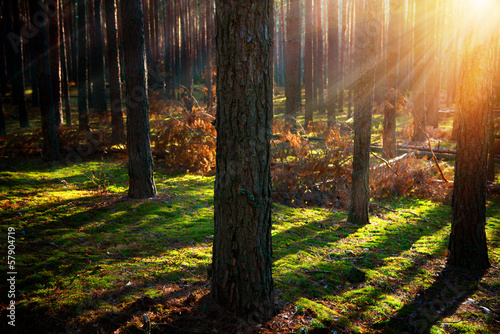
366 36
468 247
241 268
65 65
319 62
293 64
117 129
41 48
83 100
55 58
333 60
210 33
140 160
392 61
99 88
15 58
308 64
186 56
420 77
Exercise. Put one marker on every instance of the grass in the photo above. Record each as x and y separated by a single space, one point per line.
87 257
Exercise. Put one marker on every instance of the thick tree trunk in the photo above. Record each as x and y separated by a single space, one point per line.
83 99
117 129
241 267
333 60
41 48
365 53
292 73
55 58
140 160
468 246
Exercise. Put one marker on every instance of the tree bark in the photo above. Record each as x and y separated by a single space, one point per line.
392 61
420 77
241 268
186 56
365 52
293 64
83 99
55 58
210 33
468 246
98 63
140 160
333 60
319 61
41 48
117 128
65 65
15 58
308 64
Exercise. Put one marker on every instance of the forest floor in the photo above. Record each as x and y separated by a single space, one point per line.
88 260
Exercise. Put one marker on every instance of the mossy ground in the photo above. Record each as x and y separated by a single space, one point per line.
90 259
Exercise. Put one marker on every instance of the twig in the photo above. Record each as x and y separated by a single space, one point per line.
380 158
430 148
403 211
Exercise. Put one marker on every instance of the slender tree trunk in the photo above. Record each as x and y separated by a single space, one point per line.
343 56
14 52
420 71
55 58
187 66
83 102
308 64
98 63
210 33
320 70
140 160
333 60
3 76
468 247
242 255
392 61
41 48
64 65
117 129
292 74
365 53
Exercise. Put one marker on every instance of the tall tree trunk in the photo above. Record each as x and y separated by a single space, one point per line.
241 264
3 76
55 59
83 78
308 64
186 56
292 73
343 56
392 61
41 48
365 53
140 160
319 65
65 64
333 60
117 129
210 33
91 46
420 76
468 247
15 58
98 63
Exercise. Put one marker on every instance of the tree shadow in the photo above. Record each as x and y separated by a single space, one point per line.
442 299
